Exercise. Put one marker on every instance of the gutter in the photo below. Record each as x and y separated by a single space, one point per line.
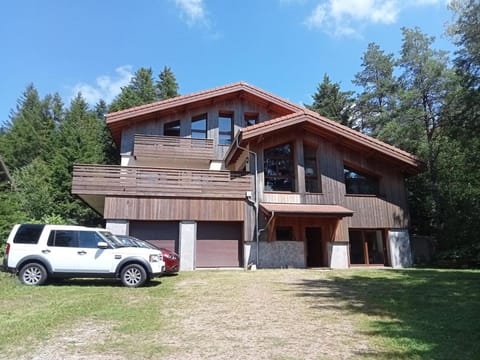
255 203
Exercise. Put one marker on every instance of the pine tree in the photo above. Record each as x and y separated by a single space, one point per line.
331 102
141 90
377 101
167 85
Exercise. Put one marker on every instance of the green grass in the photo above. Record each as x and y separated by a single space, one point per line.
412 314
406 314
31 315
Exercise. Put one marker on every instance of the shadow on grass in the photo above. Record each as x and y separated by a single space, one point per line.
416 314
95 282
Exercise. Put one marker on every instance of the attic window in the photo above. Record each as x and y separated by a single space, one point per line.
357 182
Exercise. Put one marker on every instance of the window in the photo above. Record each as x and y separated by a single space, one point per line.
63 238
278 167
28 234
225 128
366 247
311 172
251 119
199 126
172 128
284 233
359 183
89 239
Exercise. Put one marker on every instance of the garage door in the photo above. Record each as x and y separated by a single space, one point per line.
218 244
159 233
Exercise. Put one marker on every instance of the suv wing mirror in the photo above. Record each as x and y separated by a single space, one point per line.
102 245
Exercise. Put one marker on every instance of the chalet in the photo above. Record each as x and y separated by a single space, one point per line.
235 176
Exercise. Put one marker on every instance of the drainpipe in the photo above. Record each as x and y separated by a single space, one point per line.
256 199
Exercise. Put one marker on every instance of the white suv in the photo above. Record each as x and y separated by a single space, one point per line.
36 252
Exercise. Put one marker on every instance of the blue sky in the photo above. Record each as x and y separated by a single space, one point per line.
282 46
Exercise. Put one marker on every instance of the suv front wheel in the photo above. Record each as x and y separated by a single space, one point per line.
33 274
133 275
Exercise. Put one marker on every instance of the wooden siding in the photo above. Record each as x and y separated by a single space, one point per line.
169 209
140 181
173 148
388 210
237 106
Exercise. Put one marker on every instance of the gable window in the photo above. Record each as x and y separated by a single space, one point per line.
250 119
311 169
225 128
357 182
199 126
279 169
172 128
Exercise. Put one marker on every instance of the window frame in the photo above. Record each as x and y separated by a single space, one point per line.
311 179
248 117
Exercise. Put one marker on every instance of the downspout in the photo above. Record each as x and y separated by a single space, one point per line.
256 200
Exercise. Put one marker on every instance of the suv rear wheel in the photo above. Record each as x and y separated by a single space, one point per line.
133 275
33 274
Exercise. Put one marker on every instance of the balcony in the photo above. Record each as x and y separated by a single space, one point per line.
173 151
101 180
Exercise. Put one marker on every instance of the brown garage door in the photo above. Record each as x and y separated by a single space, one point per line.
218 244
159 233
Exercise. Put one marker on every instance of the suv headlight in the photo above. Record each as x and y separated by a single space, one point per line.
155 257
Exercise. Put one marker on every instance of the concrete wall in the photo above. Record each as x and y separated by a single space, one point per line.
276 254
399 248
338 255
186 244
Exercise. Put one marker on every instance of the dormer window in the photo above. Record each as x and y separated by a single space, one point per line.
359 183
199 126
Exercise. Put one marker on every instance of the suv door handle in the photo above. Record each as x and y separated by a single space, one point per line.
82 252
46 251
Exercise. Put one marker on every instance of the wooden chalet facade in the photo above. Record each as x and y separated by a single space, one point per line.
235 176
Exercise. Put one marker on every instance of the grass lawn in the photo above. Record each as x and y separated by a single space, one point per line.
402 314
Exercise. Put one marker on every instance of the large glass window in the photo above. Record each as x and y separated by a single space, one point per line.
225 128
366 247
172 128
360 183
311 169
278 168
251 119
199 126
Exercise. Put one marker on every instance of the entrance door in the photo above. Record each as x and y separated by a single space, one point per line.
314 246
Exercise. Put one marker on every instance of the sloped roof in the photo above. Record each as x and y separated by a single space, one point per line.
119 119
326 127
310 209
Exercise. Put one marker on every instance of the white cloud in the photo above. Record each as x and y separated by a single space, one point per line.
105 87
349 17
192 11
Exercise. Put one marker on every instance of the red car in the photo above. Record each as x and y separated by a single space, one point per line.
171 258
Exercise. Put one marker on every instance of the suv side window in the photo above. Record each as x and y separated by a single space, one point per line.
88 239
63 238
28 234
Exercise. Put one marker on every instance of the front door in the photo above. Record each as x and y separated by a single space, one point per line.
314 246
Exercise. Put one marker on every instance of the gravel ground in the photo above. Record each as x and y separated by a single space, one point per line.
264 314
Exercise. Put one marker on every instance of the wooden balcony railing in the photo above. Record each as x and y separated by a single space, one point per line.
173 147
142 181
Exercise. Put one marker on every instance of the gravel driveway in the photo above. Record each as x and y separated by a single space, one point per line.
264 314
